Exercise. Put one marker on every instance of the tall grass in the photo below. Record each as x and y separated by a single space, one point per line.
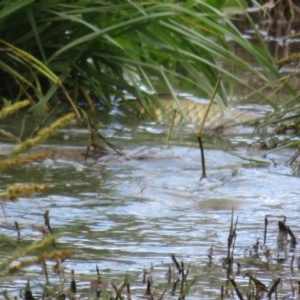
106 50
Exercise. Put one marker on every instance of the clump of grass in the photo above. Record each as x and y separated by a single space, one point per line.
97 56
43 134
13 192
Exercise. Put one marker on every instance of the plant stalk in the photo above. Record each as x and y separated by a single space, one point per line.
199 134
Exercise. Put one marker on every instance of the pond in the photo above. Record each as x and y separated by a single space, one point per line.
128 214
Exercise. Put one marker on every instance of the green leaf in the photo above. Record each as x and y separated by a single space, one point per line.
233 7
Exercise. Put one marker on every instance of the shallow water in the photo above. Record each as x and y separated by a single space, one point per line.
128 213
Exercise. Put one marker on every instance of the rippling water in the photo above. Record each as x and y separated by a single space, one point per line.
128 213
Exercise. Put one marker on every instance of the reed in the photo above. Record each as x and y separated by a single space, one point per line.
101 51
43 134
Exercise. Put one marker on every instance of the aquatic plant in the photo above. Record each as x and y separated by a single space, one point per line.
18 160
102 52
43 134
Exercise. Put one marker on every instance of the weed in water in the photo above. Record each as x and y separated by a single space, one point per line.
43 134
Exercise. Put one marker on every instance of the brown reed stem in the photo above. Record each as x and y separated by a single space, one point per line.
199 134
238 293
17 228
174 287
202 157
46 271
179 269
94 130
73 283
171 127
209 106
266 228
273 288
47 220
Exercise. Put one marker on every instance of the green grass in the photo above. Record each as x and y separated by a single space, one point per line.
107 50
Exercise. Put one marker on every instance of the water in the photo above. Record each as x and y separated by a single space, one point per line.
130 213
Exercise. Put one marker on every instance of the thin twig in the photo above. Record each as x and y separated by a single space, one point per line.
199 134
208 107
171 127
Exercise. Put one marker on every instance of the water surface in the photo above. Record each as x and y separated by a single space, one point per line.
128 213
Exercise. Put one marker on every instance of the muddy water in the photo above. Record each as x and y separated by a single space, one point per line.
129 213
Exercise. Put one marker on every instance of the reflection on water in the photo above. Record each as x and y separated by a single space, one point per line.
127 213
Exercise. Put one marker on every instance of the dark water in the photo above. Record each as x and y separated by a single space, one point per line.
130 213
